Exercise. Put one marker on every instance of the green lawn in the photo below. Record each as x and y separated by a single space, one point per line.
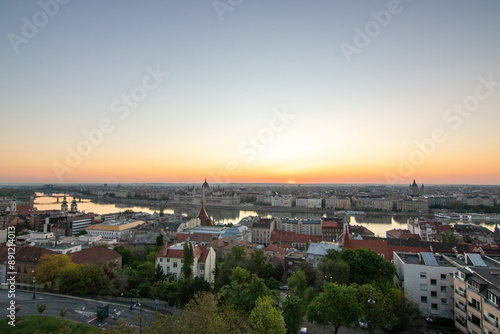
30 324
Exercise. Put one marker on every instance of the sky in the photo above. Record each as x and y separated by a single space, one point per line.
250 91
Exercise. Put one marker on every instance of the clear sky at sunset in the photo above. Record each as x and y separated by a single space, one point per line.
250 91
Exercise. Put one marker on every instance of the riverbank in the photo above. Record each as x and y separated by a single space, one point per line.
246 207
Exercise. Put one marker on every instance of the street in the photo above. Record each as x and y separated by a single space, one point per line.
78 309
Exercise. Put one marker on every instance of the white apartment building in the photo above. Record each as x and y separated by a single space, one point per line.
427 280
426 230
171 261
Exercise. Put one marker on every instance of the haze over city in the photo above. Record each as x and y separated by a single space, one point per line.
250 91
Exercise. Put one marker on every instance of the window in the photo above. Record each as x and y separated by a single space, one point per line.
433 282
168 269
423 299
175 275
161 259
444 289
434 293
202 266
492 298
443 277
168 260
175 264
444 301
434 306
423 287
423 275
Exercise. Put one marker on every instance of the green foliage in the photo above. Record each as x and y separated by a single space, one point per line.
159 240
203 314
310 273
365 266
333 271
47 324
297 283
235 258
377 311
125 253
51 267
82 232
180 292
41 308
448 237
336 305
294 310
265 318
188 257
241 294
84 279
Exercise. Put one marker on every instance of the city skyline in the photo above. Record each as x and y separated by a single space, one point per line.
376 92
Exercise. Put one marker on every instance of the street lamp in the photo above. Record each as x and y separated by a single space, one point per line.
429 321
34 280
370 325
140 317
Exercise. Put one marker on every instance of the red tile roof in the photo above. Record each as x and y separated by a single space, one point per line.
293 238
95 255
330 223
30 253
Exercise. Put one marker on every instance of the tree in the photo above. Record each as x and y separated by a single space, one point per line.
125 253
293 312
333 271
336 305
377 312
242 295
188 257
82 232
159 240
159 275
448 237
366 266
51 267
297 283
265 318
41 308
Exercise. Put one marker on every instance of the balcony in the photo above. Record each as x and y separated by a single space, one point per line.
460 307
492 322
460 292
461 322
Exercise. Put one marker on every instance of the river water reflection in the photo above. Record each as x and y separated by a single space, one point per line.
378 224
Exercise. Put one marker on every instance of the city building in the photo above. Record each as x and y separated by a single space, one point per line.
170 258
300 226
331 229
317 250
342 203
477 294
427 279
119 229
261 231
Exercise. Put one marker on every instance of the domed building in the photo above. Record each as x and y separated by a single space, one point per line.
415 191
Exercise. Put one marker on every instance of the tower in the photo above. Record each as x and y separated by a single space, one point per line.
64 205
13 205
202 215
74 207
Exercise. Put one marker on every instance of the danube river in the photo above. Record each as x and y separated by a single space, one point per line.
378 224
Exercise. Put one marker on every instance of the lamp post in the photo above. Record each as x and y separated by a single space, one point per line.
370 325
34 280
140 317
429 321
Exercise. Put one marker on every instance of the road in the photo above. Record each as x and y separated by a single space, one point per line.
78 309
